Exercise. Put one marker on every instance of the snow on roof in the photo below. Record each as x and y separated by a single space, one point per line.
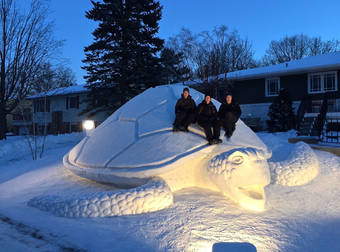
313 63
77 89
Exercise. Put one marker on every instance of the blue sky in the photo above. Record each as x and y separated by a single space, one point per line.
259 20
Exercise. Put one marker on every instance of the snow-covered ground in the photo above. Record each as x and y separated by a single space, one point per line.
297 218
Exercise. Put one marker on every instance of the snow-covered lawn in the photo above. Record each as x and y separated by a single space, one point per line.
298 218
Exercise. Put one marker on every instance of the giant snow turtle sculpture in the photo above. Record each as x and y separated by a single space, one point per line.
136 149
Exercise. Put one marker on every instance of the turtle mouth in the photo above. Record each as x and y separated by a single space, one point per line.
253 197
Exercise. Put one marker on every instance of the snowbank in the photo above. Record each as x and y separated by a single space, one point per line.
16 147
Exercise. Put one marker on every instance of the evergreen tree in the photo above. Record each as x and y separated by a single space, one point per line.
281 113
173 67
122 61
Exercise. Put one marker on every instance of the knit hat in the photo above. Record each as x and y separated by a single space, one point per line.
186 89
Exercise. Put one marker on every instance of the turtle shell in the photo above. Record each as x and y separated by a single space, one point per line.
137 141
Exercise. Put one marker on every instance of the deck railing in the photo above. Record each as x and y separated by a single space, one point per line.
331 131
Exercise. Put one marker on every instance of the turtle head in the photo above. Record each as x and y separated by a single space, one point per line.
241 174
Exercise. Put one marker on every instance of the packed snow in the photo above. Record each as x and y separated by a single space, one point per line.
136 143
301 166
154 196
297 218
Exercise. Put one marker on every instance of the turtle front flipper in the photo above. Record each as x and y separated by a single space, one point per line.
153 196
299 168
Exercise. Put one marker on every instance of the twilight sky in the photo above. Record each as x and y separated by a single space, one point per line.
259 20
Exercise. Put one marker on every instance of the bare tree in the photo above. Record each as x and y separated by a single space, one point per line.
48 77
297 47
64 77
25 42
317 46
185 43
213 53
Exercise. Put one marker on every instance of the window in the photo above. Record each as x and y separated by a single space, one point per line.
329 80
39 105
22 117
272 86
72 102
315 83
322 82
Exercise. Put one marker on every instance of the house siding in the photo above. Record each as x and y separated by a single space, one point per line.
250 94
253 91
296 85
70 116
250 91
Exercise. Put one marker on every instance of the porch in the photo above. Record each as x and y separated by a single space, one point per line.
320 118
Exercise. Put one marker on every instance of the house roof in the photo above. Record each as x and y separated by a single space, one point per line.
321 62
77 89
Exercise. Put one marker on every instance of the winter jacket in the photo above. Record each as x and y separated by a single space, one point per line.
206 112
232 107
187 105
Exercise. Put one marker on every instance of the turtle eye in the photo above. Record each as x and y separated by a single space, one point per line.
237 160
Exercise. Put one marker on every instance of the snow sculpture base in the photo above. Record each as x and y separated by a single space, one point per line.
136 148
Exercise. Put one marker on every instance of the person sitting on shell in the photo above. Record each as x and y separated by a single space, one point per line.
185 112
229 113
208 120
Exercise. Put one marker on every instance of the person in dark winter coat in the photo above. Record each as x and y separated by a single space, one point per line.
185 112
229 113
207 119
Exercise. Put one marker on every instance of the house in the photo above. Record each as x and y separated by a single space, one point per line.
19 122
309 81
312 83
60 110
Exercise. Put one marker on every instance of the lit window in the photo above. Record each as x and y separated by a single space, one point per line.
322 82
272 86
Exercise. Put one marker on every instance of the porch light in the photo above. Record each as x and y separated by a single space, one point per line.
88 124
